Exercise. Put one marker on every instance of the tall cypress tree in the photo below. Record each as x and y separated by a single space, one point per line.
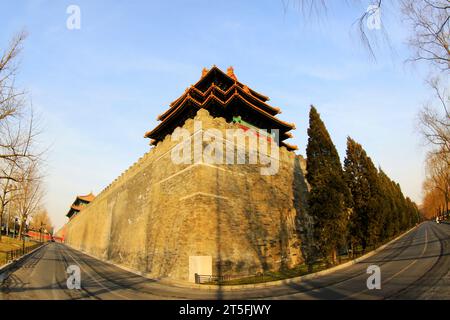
361 177
379 209
375 204
389 227
328 194
403 215
397 207
360 190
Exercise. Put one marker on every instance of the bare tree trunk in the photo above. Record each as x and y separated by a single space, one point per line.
1 220
21 227
334 256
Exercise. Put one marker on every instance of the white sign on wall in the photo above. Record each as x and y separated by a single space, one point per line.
201 265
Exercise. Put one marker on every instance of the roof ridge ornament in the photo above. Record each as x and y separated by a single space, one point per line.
204 72
230 73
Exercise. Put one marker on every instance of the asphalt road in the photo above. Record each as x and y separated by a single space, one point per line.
415 266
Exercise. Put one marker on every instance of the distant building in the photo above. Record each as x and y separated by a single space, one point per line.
79 204
60 235
37 235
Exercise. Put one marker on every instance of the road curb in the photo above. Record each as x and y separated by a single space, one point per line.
5 268
188 285
285 281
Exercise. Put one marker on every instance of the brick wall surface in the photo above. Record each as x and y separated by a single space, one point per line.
158 213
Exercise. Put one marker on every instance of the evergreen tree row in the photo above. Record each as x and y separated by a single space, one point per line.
355 206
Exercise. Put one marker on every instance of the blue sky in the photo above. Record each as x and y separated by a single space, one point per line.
100 88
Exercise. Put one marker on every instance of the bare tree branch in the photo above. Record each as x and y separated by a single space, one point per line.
20 183
430 31
434 121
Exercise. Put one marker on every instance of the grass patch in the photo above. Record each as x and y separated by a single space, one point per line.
8 244
298 271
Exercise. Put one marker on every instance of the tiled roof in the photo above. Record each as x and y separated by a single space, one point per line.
88 198
205 91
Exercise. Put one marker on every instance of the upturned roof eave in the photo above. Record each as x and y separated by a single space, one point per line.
183 105
242 91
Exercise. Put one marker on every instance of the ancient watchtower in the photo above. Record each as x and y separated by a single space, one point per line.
173 219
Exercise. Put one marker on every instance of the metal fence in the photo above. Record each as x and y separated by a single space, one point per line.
11 255
210 279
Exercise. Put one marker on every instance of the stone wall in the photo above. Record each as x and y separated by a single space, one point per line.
158 213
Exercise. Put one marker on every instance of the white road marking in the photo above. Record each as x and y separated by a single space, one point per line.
412 263
399 272
99 283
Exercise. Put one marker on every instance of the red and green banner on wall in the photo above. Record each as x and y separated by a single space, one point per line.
248 126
